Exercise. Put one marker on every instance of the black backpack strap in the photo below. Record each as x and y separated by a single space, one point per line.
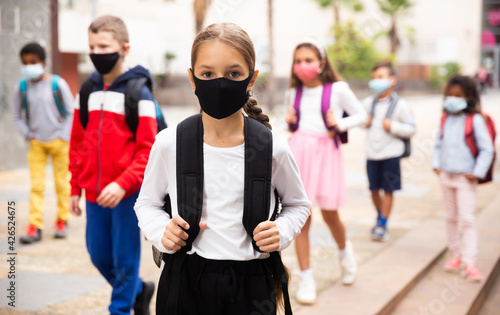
189 194
132 97
393 102
190 174
258 167
257 198
85 91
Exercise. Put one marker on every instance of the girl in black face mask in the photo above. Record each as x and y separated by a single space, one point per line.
215 260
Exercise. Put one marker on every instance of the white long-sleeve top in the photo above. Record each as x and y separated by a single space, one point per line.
342 99
225 237
382 144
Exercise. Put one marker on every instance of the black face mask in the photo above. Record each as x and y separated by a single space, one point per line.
221 97
104 63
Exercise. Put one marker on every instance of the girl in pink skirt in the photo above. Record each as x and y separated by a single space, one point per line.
322 107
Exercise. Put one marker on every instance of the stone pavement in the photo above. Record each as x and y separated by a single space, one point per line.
57 277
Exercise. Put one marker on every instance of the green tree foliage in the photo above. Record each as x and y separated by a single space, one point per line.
441 73
393 9
355 5
352 55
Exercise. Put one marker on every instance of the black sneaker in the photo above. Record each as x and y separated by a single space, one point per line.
141 306
33 234
61 231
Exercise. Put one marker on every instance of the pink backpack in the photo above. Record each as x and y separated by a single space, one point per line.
325 105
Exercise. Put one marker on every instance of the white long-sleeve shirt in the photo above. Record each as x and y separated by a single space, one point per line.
225 237
342 99
382 144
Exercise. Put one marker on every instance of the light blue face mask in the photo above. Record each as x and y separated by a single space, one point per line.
32 72
453 104
379 85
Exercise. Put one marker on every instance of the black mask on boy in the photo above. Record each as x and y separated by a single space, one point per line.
221 97
104 63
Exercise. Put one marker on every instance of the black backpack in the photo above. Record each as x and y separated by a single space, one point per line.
393 102
257 192
132 97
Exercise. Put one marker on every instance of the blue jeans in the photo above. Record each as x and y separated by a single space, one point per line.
114 244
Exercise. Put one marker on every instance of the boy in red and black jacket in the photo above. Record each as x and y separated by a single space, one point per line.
107 160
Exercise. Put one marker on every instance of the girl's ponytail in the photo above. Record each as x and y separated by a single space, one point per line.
253 110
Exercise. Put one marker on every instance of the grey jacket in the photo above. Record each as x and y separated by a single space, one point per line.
45 122
452 154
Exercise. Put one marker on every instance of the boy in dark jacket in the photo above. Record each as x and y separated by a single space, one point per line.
107 160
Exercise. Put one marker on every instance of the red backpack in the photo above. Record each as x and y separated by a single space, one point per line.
470 139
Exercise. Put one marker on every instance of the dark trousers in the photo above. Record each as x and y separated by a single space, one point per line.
218 287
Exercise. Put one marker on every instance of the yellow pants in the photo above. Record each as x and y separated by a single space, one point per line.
37 159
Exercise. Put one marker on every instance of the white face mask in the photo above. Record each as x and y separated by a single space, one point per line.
32 72
454 104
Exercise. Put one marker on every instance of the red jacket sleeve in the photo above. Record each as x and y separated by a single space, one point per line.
75 152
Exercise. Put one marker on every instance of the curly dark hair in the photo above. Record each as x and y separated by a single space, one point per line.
469 87
33 48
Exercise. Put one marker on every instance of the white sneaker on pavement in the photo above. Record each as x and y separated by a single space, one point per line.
349 265
306 294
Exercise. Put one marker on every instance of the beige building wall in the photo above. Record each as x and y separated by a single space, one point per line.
445 30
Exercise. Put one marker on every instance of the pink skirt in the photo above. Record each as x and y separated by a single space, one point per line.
321 168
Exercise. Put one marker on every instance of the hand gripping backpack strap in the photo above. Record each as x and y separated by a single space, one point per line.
325 101
257 198
393 102
325 106
390 111
157 255
392 106
296 106
190 174
85 91
374 103
470 140
189 194
258 170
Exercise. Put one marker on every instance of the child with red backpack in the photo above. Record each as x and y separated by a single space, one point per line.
463 157
319 102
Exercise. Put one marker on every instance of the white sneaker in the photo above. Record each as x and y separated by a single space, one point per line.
349 266
306 294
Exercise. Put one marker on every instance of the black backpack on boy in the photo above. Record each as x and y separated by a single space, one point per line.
132 97
257 192
392 106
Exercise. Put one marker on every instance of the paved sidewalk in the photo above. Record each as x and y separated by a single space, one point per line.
57 277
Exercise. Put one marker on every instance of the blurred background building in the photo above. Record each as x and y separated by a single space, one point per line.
428 40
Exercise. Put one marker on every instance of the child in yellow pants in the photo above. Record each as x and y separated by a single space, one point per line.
43 112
